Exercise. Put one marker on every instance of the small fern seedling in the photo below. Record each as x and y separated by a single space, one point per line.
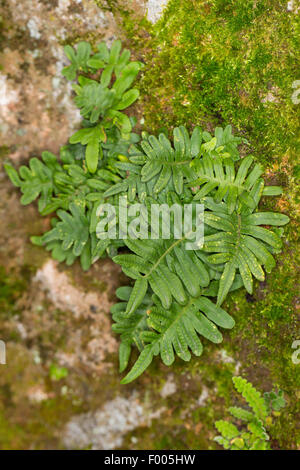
252 435
101 101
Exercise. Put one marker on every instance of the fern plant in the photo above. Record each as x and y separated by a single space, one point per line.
101 101
173 304
73 185
253 434
235 247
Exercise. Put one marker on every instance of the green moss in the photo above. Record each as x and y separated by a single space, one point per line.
216 62
10 290
4 151
11 436
266 326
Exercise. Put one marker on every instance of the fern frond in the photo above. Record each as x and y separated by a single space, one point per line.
171 164
274 401
130 328
82 59
222 441
242 245
72 230
164 162
228 430
226 144
241 414
258 430
37 180
259 444
79 59
175 331
101 101
171 271
219 175
252 396
256 436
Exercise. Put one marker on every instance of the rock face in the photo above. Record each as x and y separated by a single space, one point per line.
106 428
89 308
60 386
155 9
37 111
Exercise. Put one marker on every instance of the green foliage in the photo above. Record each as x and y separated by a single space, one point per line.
37 180
57 373
71 185
176 331
241 243
78 59
234 249
252 397
168 310
66 187
101 101
253 435
274 400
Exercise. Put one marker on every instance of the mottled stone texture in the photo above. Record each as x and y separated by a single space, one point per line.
155 9
61 387
36 106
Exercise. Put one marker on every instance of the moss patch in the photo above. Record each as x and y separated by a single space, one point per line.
222 61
